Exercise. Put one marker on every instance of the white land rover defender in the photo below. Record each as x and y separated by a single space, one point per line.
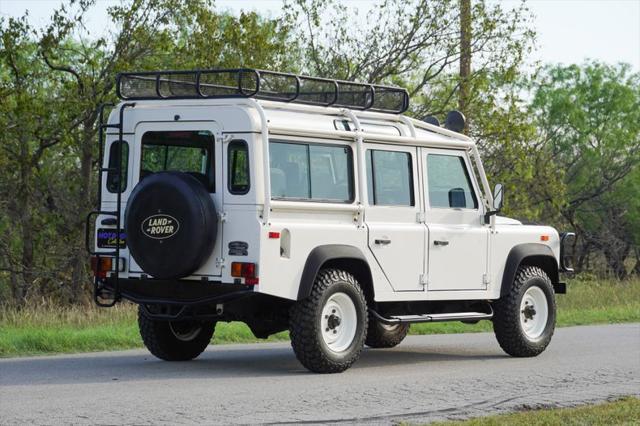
310 205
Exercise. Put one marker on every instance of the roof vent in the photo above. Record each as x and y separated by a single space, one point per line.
455 121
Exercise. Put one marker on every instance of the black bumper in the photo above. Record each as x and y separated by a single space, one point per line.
177 292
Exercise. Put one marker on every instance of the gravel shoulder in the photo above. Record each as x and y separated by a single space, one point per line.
425 378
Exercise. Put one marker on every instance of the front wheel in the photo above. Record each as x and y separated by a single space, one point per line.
174 340
328 328
524 319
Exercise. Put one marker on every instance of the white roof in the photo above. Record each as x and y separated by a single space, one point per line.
242 114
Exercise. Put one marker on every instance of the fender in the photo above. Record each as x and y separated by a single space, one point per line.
318 257
538 255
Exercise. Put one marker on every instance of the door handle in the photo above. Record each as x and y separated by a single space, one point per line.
109 221
383 242
440 243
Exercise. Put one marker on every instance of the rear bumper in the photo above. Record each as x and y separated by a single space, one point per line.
177 292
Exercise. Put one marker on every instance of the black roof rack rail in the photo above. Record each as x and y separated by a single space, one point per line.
260 84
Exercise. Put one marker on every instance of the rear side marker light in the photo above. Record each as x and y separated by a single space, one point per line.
544 238
274 235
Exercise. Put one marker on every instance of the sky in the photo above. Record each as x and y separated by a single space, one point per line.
569 31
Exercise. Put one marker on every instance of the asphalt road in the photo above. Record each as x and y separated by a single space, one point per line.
425 378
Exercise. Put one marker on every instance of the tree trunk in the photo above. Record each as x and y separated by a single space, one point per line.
636 269
26 222
465 57
79 273
615 257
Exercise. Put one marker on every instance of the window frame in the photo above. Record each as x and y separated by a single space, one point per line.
124 183
470 177
230 170
350 171
211 187
371 197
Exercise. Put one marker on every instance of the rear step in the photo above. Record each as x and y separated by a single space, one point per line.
455 316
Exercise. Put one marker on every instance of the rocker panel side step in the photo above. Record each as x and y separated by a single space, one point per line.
455 316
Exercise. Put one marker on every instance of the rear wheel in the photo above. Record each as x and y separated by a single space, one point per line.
328 328
380 335
175 340
524 319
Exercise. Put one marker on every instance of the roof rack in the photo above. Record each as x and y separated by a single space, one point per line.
260 84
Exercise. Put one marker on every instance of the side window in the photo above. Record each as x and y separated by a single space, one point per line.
238 167
112 176
449 182
389 178
311 172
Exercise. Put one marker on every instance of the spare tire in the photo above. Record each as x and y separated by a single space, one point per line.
171 224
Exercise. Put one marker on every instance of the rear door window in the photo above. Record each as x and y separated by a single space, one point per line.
189 152
389 178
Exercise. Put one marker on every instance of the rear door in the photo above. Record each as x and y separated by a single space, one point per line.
190 147
396 238
458 240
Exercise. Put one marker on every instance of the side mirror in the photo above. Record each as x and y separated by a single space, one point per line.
498 201
498 197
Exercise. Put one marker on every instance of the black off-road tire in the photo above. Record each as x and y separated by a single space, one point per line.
161 341
506 318
305 323
381 336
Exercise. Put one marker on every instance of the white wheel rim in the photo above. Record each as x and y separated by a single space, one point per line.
534 312
339 322
185 335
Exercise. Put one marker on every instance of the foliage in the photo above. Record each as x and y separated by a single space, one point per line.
589 124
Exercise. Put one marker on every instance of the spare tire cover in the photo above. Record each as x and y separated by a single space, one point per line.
171 224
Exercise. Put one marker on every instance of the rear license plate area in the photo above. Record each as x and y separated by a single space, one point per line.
110 238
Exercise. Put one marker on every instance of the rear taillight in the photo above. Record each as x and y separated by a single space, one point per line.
101 265
245 270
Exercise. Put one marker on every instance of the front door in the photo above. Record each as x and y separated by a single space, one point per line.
396 238
190 147
457 244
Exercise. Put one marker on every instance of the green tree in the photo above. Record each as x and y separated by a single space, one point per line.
589 122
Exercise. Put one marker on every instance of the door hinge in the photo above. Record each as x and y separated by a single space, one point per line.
424 280
485 279
222 217
420 217
220 262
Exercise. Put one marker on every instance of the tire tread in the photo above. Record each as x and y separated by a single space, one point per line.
305 340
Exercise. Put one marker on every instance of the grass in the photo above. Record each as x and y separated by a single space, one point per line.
45 328
622 412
